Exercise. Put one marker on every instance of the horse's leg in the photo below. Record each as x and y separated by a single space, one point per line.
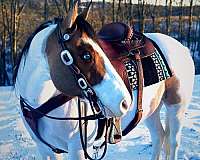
175 114
157 132
176 99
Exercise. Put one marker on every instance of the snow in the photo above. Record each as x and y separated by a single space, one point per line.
16 144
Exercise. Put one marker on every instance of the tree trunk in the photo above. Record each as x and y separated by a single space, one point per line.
11 13
103 13
130 12
118 11
113 10
46 10
141 14
180 28
168 16
190 24
58 8
125 15
153 15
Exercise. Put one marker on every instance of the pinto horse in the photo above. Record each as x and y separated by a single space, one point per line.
62 62
63 59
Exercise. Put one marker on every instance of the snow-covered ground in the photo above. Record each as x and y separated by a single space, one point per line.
16 144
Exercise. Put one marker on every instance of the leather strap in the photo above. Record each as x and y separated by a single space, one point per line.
32 115
52 104
139 111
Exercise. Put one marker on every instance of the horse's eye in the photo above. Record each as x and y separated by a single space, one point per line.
86 56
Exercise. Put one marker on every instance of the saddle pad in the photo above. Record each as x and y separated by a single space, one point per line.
155 69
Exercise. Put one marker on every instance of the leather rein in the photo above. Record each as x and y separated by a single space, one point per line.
132 44
33 115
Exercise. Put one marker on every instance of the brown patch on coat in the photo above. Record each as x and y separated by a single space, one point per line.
61 74
157 99
171 95
93 70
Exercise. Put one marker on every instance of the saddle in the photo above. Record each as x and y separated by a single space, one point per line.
121 44
124 39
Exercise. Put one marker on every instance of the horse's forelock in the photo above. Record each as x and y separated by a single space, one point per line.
84 26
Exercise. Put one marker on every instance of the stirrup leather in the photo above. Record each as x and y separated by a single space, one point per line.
114 131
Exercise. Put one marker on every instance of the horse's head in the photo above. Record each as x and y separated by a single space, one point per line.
82 50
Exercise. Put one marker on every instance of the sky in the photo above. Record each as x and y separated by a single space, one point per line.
161 2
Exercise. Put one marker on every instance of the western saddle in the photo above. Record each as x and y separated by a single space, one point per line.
125 39
122 43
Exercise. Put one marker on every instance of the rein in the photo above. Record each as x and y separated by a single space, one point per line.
32 115
86 89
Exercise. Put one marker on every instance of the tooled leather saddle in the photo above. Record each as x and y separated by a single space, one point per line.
124 39
122 43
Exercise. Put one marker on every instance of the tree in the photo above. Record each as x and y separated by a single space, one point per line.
103 14
130 12
113 10
168 15
180 28
141 14
46 10
11 16
153 15
190 23
118 11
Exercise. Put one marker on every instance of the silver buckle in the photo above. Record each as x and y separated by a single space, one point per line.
82 83
66 57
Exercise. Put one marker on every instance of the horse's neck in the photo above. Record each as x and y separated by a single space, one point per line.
33 80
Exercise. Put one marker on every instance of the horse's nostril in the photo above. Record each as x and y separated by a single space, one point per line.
124 105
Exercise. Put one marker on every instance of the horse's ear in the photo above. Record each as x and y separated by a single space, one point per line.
83 26
72 14
86 11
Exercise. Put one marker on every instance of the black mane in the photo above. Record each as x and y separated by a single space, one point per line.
27 45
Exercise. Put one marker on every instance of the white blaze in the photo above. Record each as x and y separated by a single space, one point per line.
112 90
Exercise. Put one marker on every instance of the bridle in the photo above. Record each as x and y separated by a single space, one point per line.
86 92
86 89
66 57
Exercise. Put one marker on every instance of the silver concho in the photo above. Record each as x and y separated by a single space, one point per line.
66 37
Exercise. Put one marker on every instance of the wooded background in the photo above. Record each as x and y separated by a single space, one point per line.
19 18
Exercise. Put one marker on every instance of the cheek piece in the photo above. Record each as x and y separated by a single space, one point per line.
87 90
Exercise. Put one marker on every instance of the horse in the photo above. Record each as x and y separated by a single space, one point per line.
48 75
62 62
